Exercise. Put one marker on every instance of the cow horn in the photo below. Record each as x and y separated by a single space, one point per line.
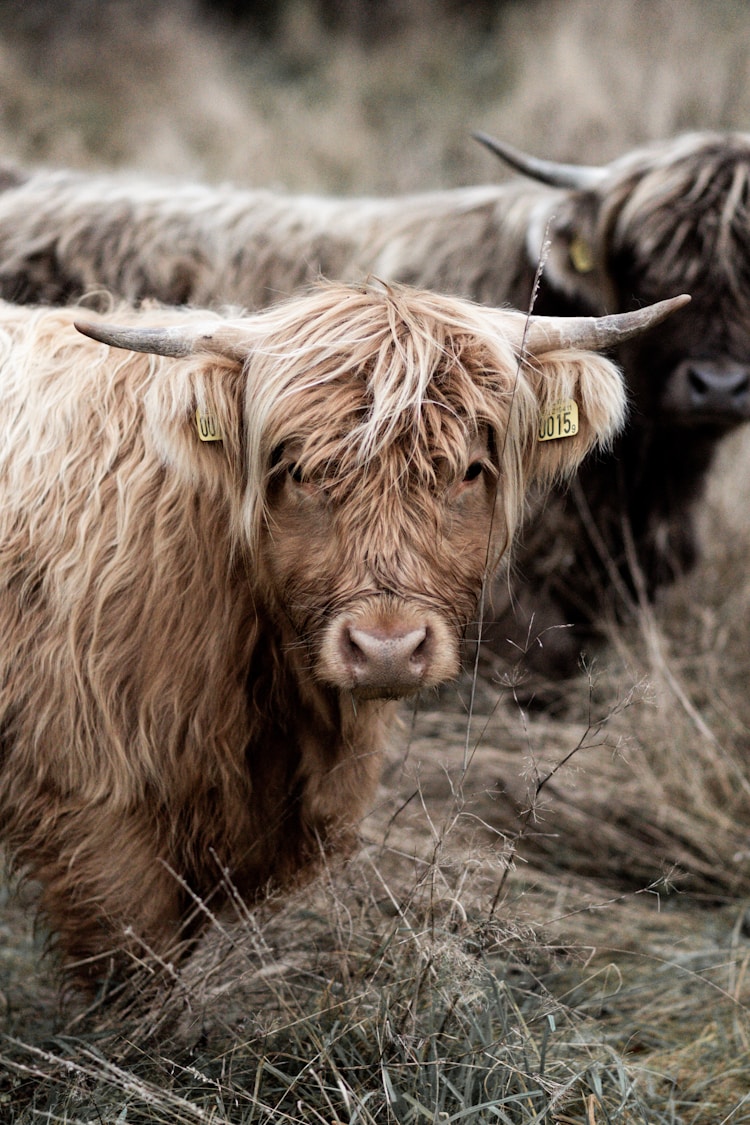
175 341
547 333
577 176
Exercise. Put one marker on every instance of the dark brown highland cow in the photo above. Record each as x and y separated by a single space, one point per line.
660 220
202 640
674 214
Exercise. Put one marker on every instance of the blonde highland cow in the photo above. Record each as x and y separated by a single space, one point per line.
203 640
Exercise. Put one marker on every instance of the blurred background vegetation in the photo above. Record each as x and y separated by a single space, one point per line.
358 96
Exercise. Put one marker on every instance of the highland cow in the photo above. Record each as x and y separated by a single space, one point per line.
668 217
203 640
616 237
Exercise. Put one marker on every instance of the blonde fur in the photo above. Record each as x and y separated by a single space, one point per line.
174 701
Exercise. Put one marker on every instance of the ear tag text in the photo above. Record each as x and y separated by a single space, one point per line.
208 426
560 421
580 255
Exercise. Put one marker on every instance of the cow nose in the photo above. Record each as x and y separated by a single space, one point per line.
720 387
386 660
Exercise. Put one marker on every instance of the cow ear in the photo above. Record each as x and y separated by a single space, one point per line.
194 414
570 247
581 406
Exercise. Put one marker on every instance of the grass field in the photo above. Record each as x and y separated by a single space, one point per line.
548 919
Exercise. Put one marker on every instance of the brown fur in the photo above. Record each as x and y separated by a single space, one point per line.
174 703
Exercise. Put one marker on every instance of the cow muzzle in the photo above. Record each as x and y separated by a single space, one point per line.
377 656
708 390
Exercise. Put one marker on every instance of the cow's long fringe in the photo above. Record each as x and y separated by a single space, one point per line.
684 205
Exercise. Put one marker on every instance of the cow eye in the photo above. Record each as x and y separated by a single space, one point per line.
474 470
296 474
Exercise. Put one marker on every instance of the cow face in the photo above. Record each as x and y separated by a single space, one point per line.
377 447
687 219
378 568
375 553
670 217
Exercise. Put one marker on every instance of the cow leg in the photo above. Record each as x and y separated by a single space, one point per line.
108 894
335 791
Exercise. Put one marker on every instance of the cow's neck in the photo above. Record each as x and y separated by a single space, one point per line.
312 740
665 465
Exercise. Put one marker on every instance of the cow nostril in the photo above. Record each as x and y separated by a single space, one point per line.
351 650
697 382
740 389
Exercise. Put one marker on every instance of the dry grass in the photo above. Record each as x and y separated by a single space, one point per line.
166 88
547 921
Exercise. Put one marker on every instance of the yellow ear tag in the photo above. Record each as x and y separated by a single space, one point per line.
561 421
580 255
208 426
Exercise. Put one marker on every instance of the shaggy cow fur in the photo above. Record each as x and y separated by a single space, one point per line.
201 642
658 221
674 214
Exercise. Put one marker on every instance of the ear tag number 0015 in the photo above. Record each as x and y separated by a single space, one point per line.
208 426
560 421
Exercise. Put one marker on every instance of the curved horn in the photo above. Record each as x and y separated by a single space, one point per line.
546 333
577 176
175 341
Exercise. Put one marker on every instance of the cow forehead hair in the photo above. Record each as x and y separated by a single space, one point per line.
380 375
678 151
684 209
370 366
